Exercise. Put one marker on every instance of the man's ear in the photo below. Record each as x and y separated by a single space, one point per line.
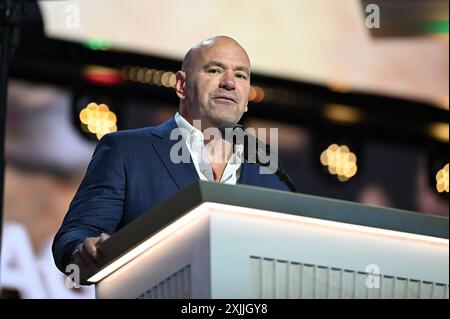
180 84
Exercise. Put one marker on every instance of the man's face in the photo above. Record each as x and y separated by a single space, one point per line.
218 83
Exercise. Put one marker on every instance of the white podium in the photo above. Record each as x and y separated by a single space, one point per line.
222 241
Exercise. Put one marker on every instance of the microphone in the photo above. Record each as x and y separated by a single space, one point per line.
253 148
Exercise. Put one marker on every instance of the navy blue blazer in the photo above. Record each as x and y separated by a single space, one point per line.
130 172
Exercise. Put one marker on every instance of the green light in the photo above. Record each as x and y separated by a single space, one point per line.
97 44
436 27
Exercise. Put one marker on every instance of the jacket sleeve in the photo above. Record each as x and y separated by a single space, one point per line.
98 204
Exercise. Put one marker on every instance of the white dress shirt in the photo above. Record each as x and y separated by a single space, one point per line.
195 144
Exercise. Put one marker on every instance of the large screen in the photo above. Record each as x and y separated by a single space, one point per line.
321 41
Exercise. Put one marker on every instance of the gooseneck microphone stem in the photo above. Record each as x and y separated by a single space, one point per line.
239 136
281 173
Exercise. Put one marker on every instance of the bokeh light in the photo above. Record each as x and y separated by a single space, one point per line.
98 119
442 180
340 162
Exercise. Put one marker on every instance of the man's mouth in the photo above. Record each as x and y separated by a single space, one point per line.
224 98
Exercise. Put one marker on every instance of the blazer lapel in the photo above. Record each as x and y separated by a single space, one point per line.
182 174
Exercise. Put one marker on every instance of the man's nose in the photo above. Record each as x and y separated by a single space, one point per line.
228 82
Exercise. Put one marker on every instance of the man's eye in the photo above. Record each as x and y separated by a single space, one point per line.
241 76
213 71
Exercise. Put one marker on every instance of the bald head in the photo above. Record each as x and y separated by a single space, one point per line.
192 54
214 82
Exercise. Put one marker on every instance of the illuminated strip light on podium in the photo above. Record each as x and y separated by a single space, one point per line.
98 119
205 209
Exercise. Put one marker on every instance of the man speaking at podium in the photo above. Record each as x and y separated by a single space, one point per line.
132 171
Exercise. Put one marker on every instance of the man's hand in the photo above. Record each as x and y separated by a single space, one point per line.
88 254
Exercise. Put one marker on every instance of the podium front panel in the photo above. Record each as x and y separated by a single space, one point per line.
228 251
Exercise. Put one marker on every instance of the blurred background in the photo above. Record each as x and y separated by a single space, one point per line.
358 89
